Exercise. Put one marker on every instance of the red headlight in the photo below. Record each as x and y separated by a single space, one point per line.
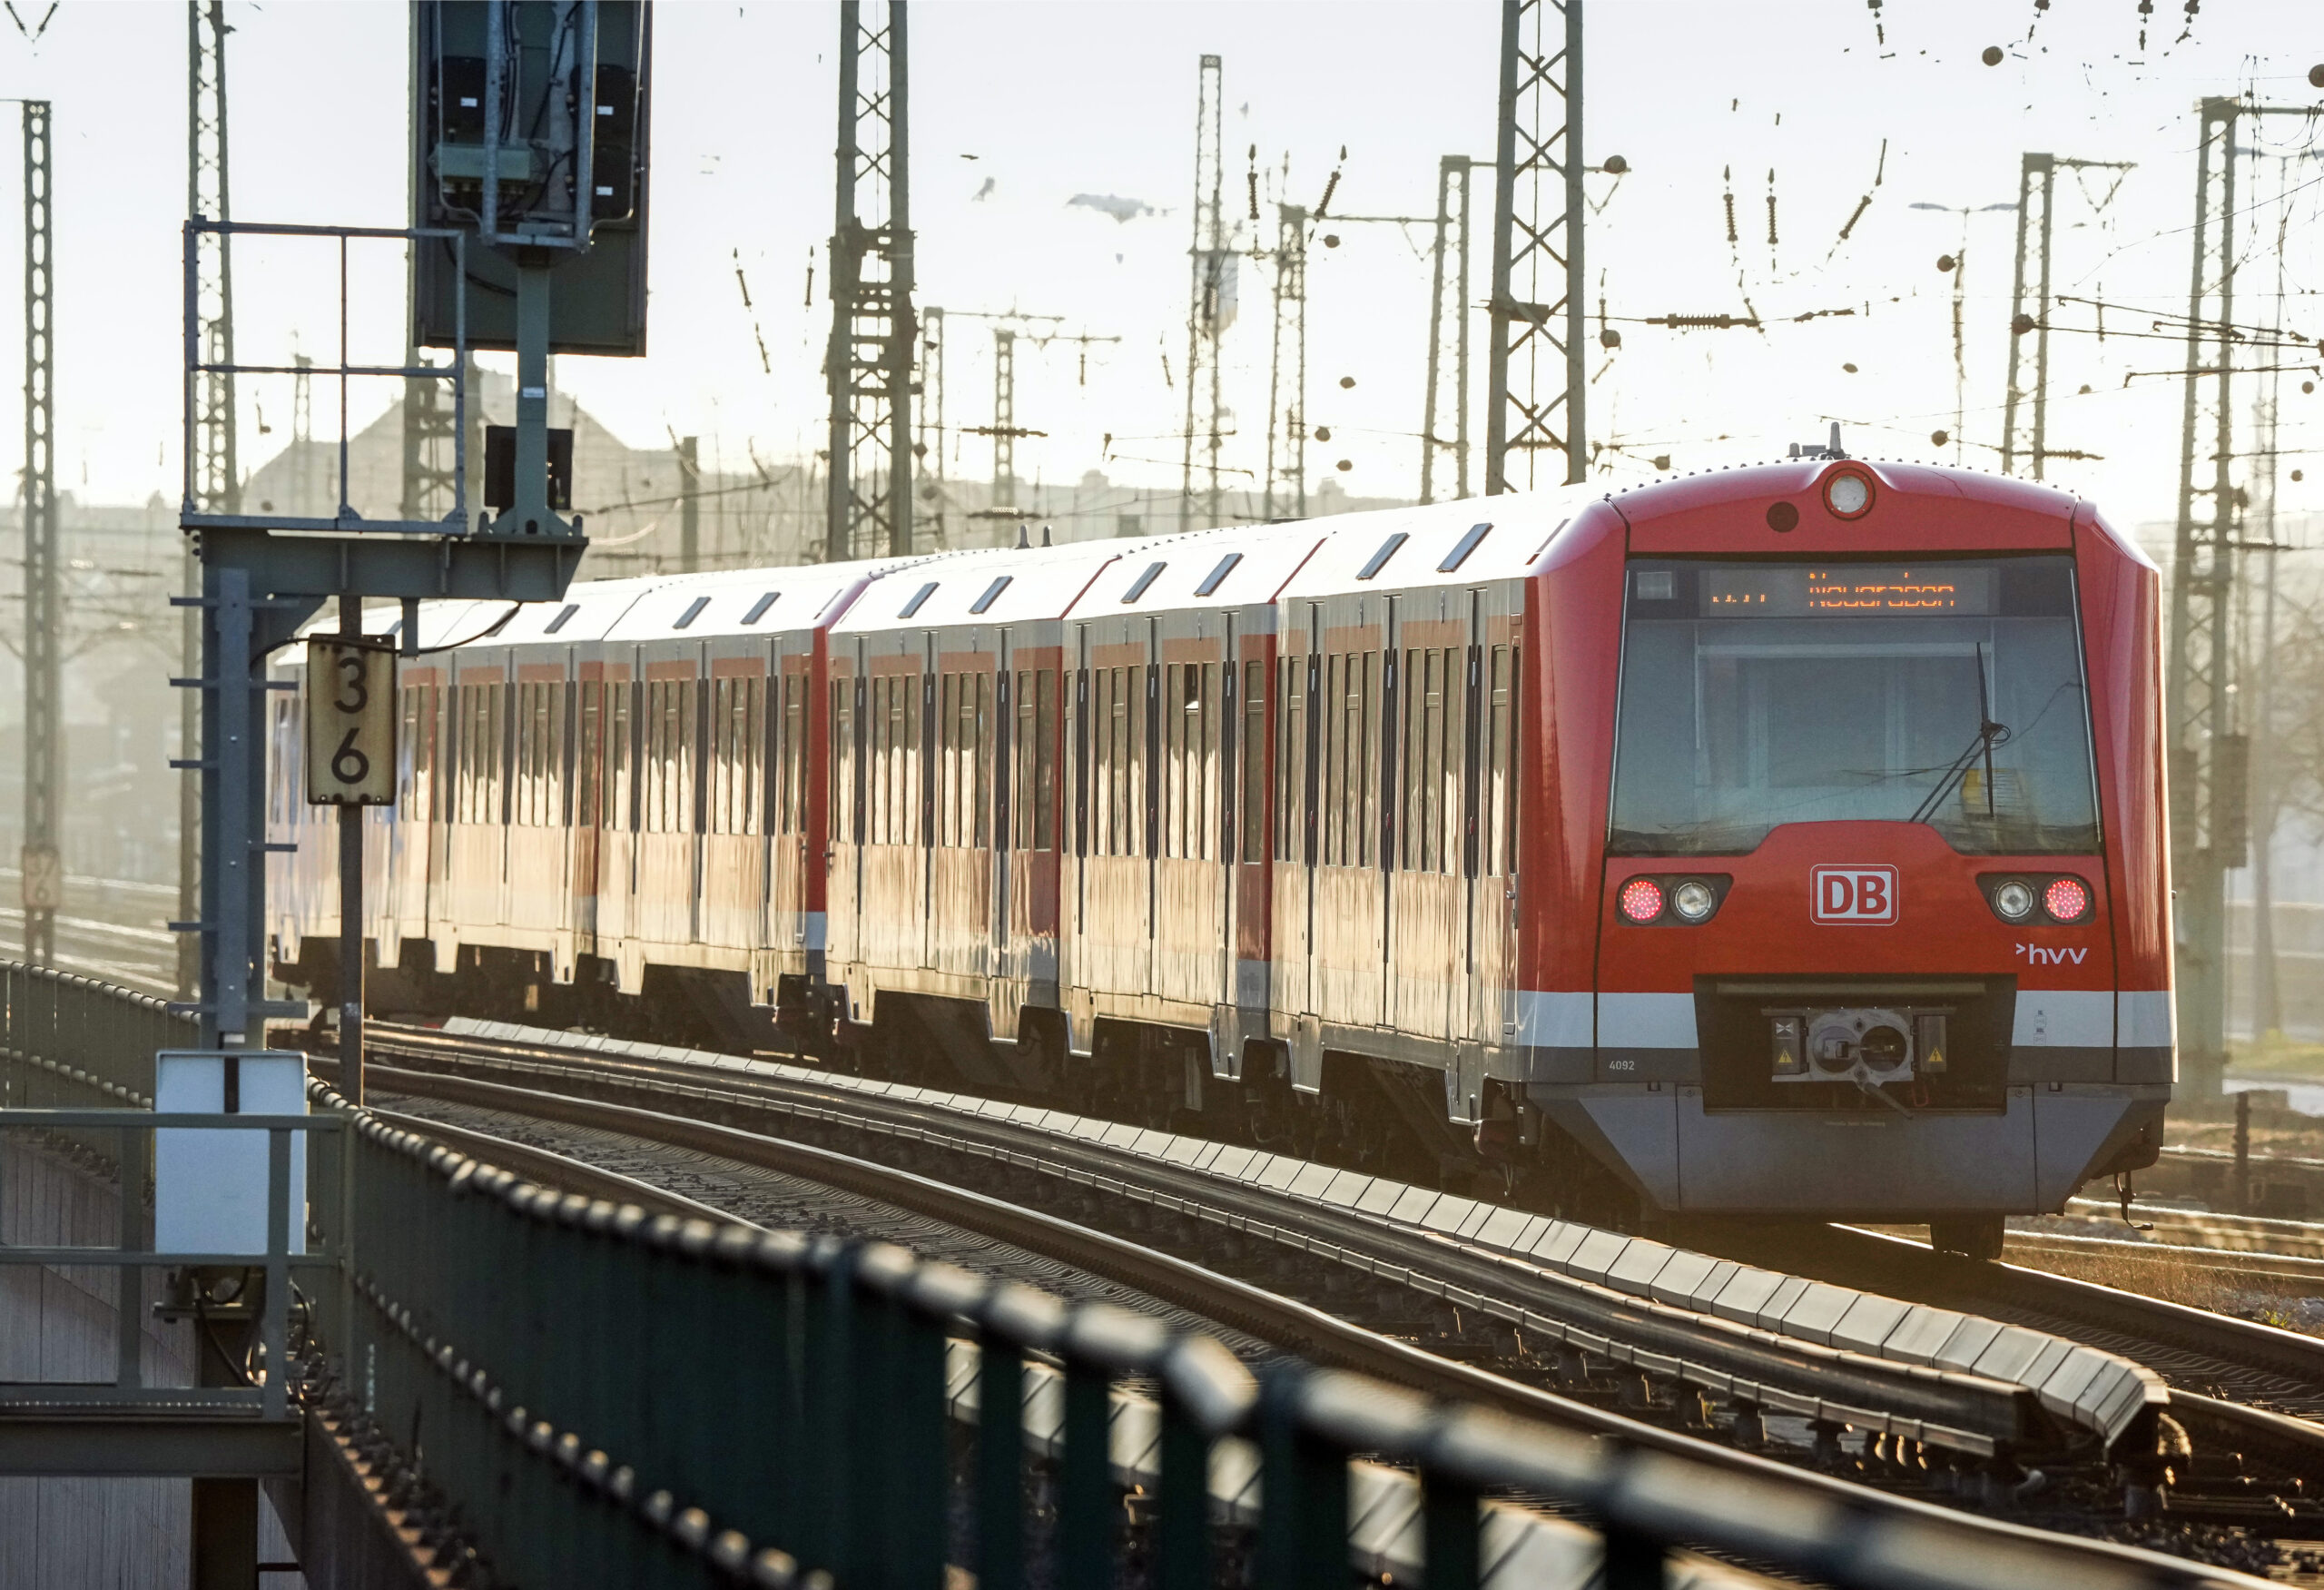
1641 899
2066 899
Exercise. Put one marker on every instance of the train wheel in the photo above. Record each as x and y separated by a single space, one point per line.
1972 1236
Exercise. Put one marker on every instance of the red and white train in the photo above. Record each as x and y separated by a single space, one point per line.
1780 841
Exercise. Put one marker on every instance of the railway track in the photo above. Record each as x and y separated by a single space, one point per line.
1535 1534
561 1077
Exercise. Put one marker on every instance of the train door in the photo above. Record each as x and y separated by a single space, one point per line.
1493 896
1252 844
1297 687
998 962
588 798
1349 909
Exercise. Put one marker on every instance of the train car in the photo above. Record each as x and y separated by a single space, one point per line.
1785 841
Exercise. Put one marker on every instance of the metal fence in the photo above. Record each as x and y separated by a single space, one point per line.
68 1040
586 1394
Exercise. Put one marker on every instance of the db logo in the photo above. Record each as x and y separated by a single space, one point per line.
1853 895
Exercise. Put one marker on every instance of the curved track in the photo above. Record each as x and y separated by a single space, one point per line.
1315 1332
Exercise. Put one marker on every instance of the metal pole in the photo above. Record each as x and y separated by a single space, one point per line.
689 503
844 266
351 909
2028 165
43 865
1428 442
901 331
1209 267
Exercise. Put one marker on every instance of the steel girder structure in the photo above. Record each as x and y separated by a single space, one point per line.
1287 477
869 365
2025 412
43 867
1206 310
1448 334
1535 381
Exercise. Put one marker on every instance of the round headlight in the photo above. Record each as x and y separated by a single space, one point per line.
2014 901
1641 899
1849 495
2066 899
1693 900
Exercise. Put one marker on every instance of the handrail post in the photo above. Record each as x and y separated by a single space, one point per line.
275 1328
130 1280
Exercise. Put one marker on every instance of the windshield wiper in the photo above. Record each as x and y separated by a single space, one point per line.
1989 734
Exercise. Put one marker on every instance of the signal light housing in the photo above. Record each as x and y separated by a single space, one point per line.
1672 900
1641 900
2040 900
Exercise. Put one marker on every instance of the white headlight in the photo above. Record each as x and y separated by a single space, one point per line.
1693 900
2014 900
1847 495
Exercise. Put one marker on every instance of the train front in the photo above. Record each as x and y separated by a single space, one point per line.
1883 923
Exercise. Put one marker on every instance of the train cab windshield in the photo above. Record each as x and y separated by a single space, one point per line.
1949 692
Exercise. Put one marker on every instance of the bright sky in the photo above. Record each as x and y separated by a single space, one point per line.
1019 107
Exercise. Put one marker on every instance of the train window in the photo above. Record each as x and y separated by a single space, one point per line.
1461 548
1217 577
1431 763
1769 693
737 769
1190 759
992 594
564 617
590 764
918 597
669 763
794 756
759 607
621 756
1137 587
1291 759
839 798
1253 756
1495 760
1379 561
964 793
419 751
894 815
1117 758
694 611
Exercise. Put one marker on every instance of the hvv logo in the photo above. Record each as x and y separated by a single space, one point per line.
2038 956
1853 895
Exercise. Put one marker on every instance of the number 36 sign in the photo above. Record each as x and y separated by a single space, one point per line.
351 721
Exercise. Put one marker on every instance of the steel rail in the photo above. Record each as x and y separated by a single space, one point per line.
1309 1333
1779 1374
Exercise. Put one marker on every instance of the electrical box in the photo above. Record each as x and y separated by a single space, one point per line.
351 721
571 113
210 1183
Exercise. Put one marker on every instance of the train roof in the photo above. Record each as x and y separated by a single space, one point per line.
1012 585
1461 543
1801 476
748 601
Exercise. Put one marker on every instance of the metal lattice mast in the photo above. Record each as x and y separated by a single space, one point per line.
1205 309
214 471
2208 755
869 366
928 419
1004 419
2025 425
2037 181
43 645
1286 481
217 479
1535 383
1448 377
